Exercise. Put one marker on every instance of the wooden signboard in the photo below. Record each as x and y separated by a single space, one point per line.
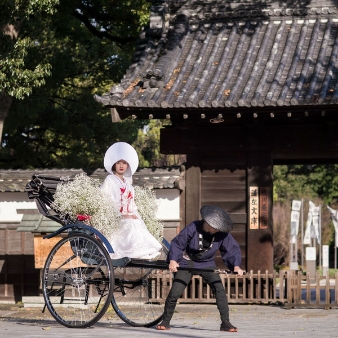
258 207
263 208
254 208
42 248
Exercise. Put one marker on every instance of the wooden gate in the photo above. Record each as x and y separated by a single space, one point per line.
227 189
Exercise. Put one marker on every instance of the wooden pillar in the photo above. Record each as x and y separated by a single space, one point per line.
193 189
259 236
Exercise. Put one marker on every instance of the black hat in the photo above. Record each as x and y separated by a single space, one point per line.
217 218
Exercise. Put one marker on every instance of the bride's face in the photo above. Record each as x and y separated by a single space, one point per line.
121 167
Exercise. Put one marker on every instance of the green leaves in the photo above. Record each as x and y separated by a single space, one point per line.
18 75
54 57
148 146
305 181
27 8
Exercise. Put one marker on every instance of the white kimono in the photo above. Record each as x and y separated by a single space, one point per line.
134 239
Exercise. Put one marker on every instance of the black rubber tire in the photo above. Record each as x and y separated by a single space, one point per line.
140 293
78 281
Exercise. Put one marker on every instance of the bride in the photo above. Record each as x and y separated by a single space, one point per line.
133 239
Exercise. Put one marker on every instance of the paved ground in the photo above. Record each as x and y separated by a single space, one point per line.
188 321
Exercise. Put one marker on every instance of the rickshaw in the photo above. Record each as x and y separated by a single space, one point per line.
80 280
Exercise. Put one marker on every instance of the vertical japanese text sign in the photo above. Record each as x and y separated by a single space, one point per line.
334 217
295 213
263 208
254 208
312 224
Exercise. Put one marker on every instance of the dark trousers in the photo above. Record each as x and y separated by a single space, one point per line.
181 280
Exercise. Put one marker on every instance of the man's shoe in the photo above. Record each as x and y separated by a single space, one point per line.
227 326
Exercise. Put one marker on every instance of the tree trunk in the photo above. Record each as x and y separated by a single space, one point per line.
5 103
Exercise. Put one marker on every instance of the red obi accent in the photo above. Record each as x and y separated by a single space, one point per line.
83 217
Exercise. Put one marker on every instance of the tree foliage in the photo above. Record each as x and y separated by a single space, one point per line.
148 147
75 48
308 181
19 72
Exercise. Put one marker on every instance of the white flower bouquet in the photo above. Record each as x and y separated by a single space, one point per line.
145 200
83 199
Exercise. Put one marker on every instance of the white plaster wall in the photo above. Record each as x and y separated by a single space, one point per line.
168 207
168 204
8 210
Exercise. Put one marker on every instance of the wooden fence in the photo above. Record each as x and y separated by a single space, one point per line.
288 288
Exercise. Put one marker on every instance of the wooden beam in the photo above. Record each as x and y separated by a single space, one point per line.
288 142
193 189
260 240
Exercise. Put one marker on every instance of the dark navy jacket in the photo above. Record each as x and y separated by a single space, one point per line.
187 240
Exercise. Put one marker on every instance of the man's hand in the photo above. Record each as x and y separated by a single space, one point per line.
173 265
238 270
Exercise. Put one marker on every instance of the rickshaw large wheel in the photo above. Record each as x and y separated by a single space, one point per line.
140 293
78 281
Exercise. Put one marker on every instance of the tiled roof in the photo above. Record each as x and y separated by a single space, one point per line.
154 178
220 54
36 223
16 180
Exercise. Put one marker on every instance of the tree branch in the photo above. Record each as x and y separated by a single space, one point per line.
101 34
